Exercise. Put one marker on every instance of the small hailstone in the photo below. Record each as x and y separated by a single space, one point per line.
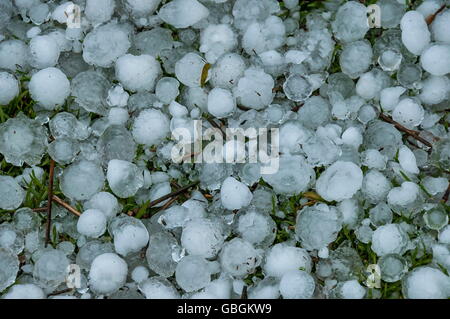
435 185
49 87
137 72
435 89
105 44
202 237
350 23
264 36
50 269
117 96
13 55
227 70
9 88
404 195
167 89
351 290
104 202
130 235
44 52
234 194
372 158
282 258
192 273
350 211
11 194
440 27
118 116
108 273
9 263
99 11
239 258
183 13
415 33
150 127
356 58
254 89
92 223
297 88
81 180
217 39
24 291
189 69
124 178
426 283
390 97
436 59
371 83
408 113
139 274
352 136
341 180
297 284
158 288
389 239
407 160
375 186
221 103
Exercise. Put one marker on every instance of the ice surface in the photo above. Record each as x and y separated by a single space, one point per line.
9 88
436 59
297 284
350 23
124 178
340 181
9 266
160 254
150 127
239 258
183 13
281 258
389 239
108 273
234 194
130 234
137 73
81 180
192 273
202 237
426 283
11 194
22 140
90 90
24 291
415 33
50 269
92 223
158 288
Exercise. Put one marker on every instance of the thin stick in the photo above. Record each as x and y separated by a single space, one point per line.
55 293
170 195
412 133
66 206
40 209
50 195
431 17
170 202
217 126
446 195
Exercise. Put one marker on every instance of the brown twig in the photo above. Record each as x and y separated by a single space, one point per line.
40 209
177 192
69 208
446 194
429 20
412 133
217 126
60 292
49 207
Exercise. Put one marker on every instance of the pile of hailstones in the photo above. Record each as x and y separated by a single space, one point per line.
108 94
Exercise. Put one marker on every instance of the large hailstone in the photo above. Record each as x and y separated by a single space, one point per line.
436 59
130 235
137 72
221 103
415 33
239 258
150 127
234 194
340 181
22 140
108 273
202 237
49 87
440 27
44 51
99 11
293 176
161 250
189 69
217 39
105 44
389 239
264 36
193 273
124 178
282 258
426 283
81 180
317 226
9 88
11 194
183 13
375 186
350 23
92 223
13 55
408 113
